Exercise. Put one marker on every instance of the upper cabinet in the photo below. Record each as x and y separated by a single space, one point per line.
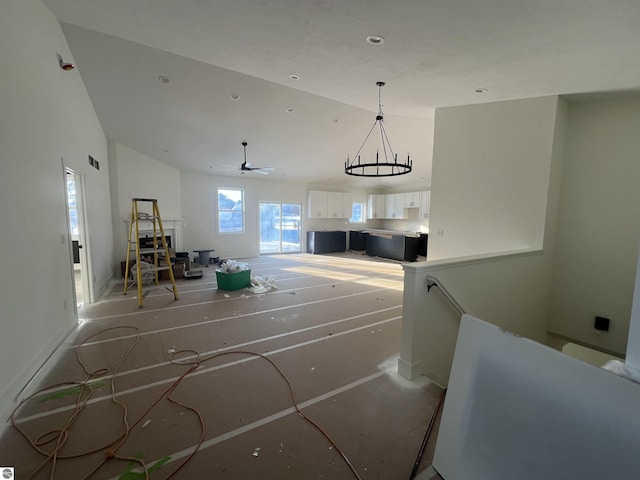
329 204
425 204
412 199
318 206
339 205
376 207
394 205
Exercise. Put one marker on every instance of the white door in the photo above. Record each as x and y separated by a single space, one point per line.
74 184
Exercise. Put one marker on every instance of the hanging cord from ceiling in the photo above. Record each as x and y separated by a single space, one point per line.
85 391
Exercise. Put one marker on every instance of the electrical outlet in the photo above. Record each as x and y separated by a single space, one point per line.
440 232
602 324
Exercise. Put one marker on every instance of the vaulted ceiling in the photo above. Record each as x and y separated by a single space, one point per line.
186 81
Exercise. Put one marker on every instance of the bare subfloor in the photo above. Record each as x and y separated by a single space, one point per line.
331 329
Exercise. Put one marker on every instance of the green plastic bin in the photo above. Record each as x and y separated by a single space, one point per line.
233 281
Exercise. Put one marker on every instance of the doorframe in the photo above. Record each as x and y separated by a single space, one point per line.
300 227
83 237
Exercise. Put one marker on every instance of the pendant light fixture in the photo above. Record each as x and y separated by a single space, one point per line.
386 167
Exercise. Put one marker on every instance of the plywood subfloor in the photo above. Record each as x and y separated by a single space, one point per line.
332 328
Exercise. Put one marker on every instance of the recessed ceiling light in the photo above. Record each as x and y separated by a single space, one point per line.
234 96
163 79
375 39
294 77
289 109
481 90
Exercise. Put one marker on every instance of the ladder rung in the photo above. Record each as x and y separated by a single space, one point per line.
154 269
149 250
159 250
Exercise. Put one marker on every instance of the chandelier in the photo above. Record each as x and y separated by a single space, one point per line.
386 167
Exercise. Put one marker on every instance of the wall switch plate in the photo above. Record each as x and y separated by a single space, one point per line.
601 323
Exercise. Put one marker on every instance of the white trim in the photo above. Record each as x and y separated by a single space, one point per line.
431 265
31 374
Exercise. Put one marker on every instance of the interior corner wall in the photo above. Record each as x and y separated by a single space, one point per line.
599 226
46 117
491 166
137 175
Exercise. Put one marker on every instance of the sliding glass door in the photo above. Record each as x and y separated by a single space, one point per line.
280 227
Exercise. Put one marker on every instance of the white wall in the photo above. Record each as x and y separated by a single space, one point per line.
491 167
45 116
199 204
137 175
510 290
599 224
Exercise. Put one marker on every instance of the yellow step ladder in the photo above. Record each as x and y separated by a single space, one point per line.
133 246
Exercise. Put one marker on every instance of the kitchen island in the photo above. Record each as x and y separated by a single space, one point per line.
404 246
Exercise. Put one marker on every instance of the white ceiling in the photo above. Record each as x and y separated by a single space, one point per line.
436 53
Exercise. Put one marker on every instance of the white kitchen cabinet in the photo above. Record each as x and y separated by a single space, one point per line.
339 205
318 205
412 199
347 205
425 204
329 204
375 207
394 206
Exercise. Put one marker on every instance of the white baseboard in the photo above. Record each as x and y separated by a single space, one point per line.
104 287
407 370
28 379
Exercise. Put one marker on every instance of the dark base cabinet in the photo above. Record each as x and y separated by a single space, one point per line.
357 240
424 242
397 247
326 242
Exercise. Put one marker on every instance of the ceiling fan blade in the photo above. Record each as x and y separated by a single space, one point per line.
260 171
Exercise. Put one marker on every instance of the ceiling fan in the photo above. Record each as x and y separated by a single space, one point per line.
247 167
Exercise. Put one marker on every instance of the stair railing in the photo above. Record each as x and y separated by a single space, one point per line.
434 282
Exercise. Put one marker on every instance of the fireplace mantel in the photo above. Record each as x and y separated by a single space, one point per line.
172 227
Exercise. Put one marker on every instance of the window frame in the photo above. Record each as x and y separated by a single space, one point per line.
363 209
219 210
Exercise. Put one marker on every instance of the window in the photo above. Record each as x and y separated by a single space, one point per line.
357 213
230 210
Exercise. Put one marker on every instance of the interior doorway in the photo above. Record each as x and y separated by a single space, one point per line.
280 227
74 186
